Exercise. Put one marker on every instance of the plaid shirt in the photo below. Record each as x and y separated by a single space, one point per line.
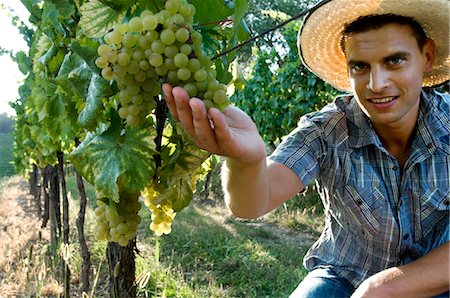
377 215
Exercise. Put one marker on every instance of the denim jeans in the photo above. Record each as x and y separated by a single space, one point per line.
324 282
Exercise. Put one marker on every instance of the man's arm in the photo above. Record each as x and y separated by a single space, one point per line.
252 190
252 186
426 277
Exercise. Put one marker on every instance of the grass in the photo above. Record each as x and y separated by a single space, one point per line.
209 253
6 155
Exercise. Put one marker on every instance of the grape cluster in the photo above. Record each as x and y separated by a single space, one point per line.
162 214
117 222
155 48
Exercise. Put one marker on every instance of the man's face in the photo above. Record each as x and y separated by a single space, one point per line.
386 69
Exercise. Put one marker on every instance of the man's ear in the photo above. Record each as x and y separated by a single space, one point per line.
429 54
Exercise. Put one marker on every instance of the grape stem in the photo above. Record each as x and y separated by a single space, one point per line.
251 39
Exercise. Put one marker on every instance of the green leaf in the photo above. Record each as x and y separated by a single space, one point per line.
115 161
98 18
52 51
24 62
87 53
179 193
240 28
204 13
98 89
64 7
74 75
50 15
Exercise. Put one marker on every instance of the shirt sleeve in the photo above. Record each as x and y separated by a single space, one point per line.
303 148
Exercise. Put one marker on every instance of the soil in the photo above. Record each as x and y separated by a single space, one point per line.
24 245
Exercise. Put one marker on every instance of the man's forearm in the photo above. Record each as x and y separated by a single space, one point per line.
426 277
246 188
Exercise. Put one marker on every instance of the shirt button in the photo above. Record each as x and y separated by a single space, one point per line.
446 202
429 146
395 168
359 202
405 237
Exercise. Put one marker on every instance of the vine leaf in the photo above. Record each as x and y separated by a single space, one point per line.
98 18
98 89
204 13
115 160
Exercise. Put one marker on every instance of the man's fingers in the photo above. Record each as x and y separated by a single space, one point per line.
168 97
204 133
184 111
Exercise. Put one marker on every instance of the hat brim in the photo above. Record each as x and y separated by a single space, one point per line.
319 39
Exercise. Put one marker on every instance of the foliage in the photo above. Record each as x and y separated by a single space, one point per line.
281 90
6 123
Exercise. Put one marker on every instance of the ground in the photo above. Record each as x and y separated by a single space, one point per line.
23 242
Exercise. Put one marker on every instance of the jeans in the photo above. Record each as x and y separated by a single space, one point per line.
324 282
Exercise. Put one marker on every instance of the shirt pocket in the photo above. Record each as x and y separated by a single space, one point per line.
434 207
363 208
434 199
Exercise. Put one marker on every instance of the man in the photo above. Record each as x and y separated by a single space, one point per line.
381 158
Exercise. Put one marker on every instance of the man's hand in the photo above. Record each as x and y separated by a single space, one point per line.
231 133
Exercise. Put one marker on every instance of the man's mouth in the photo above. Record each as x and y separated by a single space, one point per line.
382 100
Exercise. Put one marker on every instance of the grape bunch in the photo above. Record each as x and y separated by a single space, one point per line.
162 214
117 222
153 48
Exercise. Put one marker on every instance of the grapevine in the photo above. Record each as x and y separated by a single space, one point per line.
151 49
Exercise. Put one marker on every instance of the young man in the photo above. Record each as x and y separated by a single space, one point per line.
381 158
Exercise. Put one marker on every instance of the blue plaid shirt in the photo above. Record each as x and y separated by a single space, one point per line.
377 215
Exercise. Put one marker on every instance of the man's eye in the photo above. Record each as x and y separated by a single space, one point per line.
395 60
359 67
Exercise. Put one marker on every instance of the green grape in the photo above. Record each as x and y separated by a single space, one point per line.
133 67
184 74
144 42
200 75
119 71
123 112
149 22
172 6
107 73
156 60
111 56
103 49
158 47
185 10
146 13
194 64
140 76
170 51
181 60
121 28
172 76
101 62
135 24
220 97
138 55
186 49
144 65
161 70
167 36
129 40
191 89
137 99
182 35
115 37
133 120
123 58
202 86
196 38
170 64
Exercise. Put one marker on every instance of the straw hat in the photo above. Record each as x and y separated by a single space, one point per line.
320 37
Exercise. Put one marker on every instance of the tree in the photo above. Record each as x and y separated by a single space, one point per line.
6 123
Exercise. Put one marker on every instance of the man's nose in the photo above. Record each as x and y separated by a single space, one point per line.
378 80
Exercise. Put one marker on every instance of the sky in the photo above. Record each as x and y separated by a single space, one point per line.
10 39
